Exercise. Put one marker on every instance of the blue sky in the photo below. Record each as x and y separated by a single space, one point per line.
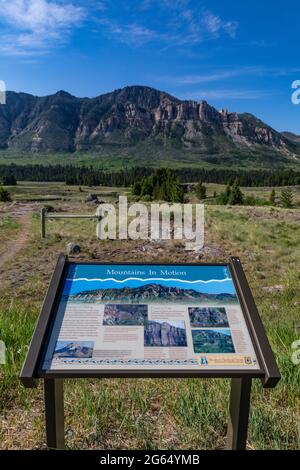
239 55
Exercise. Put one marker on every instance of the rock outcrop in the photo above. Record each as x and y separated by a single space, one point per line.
130 116
163 334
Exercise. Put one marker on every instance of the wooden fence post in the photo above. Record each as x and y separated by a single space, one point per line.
43 223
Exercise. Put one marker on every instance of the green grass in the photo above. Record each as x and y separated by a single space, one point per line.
157 413
55 193
116 157
150 414
8 227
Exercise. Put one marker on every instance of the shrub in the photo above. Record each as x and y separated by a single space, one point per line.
4 195
9 180
200 191
286 198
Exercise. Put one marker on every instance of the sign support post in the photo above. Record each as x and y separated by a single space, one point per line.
239 407
54 413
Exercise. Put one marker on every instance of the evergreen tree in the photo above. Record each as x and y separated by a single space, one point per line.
236 196
9 180
227 191
286 198
162 185
200 191
136 188
87 175
223 198
147 186
272 199
4 195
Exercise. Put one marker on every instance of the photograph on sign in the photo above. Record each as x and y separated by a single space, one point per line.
149 317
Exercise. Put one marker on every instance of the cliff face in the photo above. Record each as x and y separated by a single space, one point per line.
211 341
129 116
163 334
205 317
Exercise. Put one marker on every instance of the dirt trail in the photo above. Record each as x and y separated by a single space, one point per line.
21 212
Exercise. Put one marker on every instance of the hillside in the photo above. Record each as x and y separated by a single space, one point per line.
149 293
212 342
291 136
140 122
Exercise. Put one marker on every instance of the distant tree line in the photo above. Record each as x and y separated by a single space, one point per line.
162 185
90 176
246 178
233 196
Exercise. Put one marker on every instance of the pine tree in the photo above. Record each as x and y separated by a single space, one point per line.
236 196
200 191
4 195
147 187
286 198
9 180
272 199
136 188
162 185
227 191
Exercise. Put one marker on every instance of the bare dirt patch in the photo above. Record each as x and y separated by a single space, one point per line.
22 213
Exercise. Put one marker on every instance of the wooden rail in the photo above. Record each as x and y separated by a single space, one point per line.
51 215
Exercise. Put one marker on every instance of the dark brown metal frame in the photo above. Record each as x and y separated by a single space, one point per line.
240 383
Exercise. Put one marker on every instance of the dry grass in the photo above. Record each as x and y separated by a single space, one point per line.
157 414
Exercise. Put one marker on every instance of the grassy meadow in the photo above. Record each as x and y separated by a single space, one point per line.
160 154
149 413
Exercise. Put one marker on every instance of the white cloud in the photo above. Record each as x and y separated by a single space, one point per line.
209 77
233 94
132 34
215 25
34 26
219 75
183 24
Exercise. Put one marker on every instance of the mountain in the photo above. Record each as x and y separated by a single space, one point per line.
74 350
142 118
149 293
292 137
212 342
208 316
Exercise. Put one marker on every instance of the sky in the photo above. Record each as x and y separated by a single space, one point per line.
241 55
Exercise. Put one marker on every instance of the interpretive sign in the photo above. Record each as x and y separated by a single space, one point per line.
150 320
145 316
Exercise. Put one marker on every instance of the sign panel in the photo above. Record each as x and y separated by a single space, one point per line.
149 317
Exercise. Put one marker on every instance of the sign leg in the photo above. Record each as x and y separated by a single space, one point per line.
54 411
238 413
